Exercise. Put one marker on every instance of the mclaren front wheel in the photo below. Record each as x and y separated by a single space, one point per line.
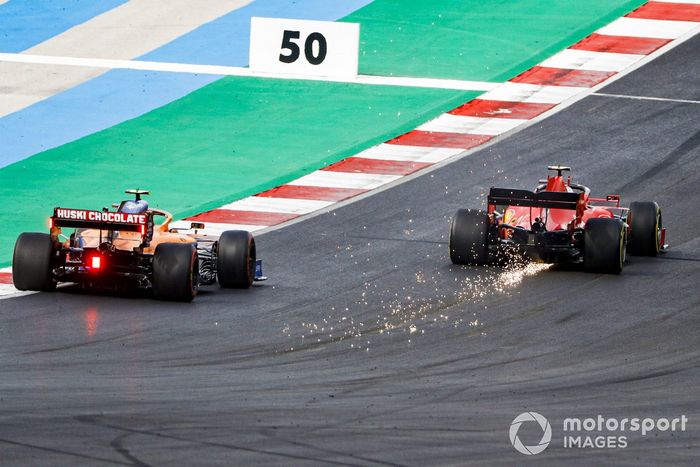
235 263
175 272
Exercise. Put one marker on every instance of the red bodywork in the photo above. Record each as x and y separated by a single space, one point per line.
550 224
561 219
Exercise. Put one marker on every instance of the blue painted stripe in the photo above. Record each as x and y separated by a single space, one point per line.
226 41
26 23
121 95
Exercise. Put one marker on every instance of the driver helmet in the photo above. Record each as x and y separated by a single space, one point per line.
135 207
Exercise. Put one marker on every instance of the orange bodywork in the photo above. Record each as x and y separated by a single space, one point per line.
127 241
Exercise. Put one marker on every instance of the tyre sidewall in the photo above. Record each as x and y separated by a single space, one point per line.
604 245
469 237
645 221
31 262
175 272
235 261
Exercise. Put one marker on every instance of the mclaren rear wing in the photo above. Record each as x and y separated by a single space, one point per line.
103 220
543 199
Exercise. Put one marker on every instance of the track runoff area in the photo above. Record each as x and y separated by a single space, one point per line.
210 135
285 49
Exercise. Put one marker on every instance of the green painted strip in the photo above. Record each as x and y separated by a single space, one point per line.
479 40
240 136
231 139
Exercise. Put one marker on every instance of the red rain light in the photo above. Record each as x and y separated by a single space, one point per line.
95 262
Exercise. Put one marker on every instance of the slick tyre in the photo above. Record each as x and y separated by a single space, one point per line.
644 219
31 262
175 272
604 246
469 237
235 262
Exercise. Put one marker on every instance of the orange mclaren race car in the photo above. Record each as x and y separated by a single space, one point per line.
125 248
558 222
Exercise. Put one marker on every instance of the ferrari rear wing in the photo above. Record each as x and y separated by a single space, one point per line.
543 199
525 198
103 220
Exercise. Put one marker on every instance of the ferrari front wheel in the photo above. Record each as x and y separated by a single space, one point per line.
645 222
604 245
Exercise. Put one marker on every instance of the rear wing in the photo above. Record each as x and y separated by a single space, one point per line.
543 199
103 220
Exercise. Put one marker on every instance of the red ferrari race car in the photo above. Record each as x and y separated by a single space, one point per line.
558 222
125 248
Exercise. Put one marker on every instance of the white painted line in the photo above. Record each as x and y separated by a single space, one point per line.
646 98
329 179
653 28
533 93
397 152
240 71
282 205
448 123
130 30
7 289
13 293
421 82
589 60
695 2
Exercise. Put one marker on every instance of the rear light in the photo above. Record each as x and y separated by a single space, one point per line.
50 223
96 262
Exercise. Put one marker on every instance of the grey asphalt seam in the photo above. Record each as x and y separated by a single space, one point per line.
646 98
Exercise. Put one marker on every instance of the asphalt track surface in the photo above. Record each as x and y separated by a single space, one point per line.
367 346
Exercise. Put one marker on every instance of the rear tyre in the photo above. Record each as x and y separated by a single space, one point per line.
235 260
31 262
468 237
644 218
175 272
604 246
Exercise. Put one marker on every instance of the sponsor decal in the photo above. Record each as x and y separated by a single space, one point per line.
99 216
